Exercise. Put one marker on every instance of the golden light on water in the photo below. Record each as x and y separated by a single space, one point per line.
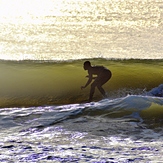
25 9
75 29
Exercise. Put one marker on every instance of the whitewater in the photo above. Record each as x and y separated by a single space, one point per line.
45 116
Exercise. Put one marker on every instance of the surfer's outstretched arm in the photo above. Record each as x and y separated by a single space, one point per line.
88 82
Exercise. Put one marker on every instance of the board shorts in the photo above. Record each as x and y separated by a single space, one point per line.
102 78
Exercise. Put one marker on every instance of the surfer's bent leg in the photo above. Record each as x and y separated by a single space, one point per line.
103 78
99 81
92 91
101 90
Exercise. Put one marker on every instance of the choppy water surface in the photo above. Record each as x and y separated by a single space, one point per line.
105 131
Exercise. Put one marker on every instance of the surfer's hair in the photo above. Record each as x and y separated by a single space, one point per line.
87 63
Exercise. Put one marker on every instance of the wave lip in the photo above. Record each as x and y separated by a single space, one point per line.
157 91
140 111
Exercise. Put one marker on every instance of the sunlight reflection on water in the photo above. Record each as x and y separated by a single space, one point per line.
63 30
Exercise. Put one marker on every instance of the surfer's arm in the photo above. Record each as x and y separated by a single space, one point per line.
88 82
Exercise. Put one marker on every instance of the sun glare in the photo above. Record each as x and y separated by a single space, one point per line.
10 9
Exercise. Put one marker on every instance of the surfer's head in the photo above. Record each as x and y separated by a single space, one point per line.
86 65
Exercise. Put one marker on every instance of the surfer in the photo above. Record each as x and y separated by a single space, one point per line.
103 75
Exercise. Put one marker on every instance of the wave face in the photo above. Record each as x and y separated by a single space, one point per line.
35 83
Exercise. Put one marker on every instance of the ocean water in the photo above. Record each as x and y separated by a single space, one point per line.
45 116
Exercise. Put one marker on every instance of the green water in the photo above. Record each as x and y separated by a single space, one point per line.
33 83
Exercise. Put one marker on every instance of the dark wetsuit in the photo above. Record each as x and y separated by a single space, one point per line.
103 75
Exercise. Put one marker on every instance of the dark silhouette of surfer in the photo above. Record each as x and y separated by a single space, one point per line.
103 75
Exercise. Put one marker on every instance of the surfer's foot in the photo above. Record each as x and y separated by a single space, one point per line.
106 95
89 100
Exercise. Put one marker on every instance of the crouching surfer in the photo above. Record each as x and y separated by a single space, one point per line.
103 75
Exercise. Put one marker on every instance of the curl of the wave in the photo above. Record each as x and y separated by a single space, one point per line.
157 91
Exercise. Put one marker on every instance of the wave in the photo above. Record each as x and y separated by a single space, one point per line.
36 83
132 108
